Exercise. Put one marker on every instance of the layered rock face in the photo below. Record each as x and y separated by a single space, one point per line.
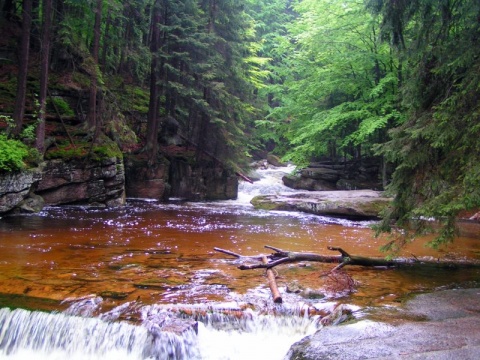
77 182
108 183
146 181
328 175
202 181
179 175
56 182
15 189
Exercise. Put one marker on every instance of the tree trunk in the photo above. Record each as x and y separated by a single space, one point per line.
283 257
19 110
106 39
153 106
47 24
92 113
272 282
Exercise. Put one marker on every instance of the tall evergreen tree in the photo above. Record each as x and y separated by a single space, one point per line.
436 150
153 106
24 56
45 50
93 120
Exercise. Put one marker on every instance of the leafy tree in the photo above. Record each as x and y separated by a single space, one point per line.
436 150
338 98
271 67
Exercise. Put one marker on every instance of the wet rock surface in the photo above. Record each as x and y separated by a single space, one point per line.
440 325
16 188
92 182
337 175
354 203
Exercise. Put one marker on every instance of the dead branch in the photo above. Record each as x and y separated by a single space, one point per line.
281 257
272 282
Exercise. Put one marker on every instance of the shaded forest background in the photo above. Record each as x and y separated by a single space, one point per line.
393 79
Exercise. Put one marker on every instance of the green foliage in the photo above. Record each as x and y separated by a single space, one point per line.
13 154
28 132
81 79
107 149
209 70
66 151
138 99
437 149
339 87
80 151
60 105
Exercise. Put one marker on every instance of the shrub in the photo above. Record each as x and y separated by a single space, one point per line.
13 154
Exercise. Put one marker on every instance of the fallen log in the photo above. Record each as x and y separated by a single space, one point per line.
272 282
283 257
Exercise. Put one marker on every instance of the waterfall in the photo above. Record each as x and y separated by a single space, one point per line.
39 335
25 334
270 183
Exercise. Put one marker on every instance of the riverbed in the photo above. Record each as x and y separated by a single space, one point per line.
117 264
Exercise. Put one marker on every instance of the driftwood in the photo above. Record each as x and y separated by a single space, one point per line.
283 257
272 282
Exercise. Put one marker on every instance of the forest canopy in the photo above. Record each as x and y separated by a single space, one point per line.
396 80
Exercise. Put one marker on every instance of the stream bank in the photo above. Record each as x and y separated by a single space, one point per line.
438 325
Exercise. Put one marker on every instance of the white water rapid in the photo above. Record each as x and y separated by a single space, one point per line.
55 336
270 183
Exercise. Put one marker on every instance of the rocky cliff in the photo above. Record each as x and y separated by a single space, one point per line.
108 182
55 182
178 175
336 175
85 182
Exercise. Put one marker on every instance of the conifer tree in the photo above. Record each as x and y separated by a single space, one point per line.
24 54
436 150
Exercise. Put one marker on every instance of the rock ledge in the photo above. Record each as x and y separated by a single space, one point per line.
361 204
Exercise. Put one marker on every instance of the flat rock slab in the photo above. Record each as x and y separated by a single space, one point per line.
446 326
349 203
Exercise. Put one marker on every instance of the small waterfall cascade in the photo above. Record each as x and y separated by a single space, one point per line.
25 334
270 183
217 334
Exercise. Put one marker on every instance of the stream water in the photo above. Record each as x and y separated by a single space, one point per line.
89 283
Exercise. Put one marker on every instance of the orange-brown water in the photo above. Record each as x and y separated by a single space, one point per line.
159 253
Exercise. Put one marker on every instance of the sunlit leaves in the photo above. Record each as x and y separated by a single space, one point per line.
342 83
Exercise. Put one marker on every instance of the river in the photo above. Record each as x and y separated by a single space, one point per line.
92 283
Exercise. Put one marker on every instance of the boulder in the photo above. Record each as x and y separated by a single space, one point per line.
441 325
275 160
305 183
16 187
33 203
359 204
338 175
324 173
